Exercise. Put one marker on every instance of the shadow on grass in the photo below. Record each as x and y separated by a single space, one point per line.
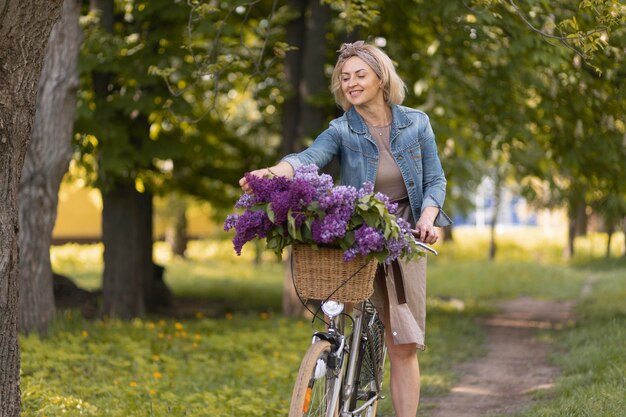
600 264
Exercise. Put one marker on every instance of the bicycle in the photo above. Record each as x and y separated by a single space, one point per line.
341 375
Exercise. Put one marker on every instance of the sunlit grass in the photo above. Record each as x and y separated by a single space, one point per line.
241 360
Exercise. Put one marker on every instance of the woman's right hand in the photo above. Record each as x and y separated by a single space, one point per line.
263 172
282 169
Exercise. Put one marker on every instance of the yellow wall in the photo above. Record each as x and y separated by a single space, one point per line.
79 213
80 210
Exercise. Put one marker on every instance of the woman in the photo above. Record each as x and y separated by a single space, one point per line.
381 142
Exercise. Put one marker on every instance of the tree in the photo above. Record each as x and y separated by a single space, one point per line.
146 128
307 86
24 34
46 162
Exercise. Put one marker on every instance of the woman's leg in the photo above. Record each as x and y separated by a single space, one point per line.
405 375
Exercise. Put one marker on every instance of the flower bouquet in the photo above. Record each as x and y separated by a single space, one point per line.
313 214
310 209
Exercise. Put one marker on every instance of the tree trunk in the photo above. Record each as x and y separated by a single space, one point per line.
24 34
313 82
609 231
304 70
494 217
127 237
447 233
176 233
46 162
577 225
624 232
293 74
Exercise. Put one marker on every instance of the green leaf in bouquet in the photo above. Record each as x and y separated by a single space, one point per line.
294 231
273 242
307 234
259 207
388 230
349 238
270 213
371 218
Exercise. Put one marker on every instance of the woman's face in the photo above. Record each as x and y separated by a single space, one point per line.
359 83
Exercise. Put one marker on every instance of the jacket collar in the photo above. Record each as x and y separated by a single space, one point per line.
357 124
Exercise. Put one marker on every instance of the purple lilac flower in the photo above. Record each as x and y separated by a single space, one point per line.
392 207
396 248
320 182
297 197
350 254
404 225
280 205
368 188
231 221
302 193
369 240
249 225
245 201
329 229
343 196
264 188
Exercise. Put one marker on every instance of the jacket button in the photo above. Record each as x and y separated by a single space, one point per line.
411 183
400 158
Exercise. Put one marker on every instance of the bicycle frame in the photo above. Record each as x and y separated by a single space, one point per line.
346 355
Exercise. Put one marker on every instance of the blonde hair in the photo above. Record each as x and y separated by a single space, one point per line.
393 86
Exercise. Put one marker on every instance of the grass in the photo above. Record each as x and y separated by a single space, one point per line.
242 361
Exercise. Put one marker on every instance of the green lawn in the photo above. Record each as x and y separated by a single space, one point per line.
242 361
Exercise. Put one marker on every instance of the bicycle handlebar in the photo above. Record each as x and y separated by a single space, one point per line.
426 247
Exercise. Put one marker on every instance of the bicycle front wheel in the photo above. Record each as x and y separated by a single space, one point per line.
313 392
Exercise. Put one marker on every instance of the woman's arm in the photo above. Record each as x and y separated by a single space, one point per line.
281 169
320 153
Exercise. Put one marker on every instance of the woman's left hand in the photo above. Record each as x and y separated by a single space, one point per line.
426 233
425 229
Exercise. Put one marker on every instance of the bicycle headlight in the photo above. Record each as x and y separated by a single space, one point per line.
332 308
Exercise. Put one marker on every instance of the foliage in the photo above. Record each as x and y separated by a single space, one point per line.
355 13
309 209
149 112
505 102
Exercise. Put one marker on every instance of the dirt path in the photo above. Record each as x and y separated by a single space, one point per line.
515 364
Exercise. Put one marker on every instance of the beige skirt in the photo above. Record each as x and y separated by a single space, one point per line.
400 292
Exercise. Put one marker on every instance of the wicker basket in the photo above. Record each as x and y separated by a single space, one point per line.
321 274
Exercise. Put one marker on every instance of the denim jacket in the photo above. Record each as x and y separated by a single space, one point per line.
412 145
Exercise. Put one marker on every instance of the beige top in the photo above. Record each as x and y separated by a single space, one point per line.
400 290
388 178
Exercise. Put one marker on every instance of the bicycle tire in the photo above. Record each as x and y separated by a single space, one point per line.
311 392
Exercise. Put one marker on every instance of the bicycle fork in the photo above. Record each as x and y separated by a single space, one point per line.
350 387
339 353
